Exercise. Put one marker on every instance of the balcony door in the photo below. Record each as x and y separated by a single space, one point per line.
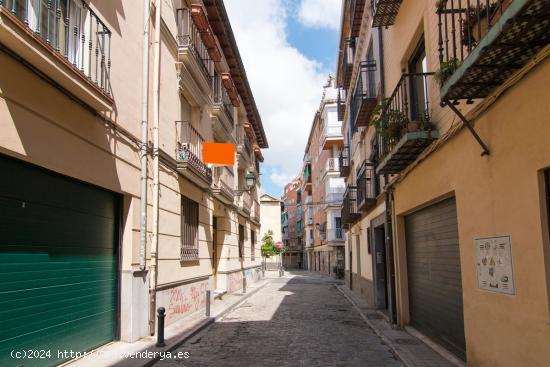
418 84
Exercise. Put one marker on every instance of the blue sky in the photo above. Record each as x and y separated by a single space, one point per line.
288 48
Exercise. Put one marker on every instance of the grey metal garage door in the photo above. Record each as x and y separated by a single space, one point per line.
433 265
58 265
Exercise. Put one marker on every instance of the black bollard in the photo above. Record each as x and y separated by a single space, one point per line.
244 285
160 332
208 303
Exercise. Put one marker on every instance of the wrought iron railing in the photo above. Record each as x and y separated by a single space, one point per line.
333 165
367 187
224 179
256 214
384 12
246 201
189 148
349 205
221 98
462 25
364 91
343 161
73 31
341 105
406 110
189 36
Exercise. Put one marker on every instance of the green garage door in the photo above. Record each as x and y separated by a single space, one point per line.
58 265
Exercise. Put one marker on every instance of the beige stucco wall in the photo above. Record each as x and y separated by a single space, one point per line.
40 125
500 194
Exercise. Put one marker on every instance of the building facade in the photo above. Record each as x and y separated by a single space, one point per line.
323 188
291 224
270 221
109 211
451 119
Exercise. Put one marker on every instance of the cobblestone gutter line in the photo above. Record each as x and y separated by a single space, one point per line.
410 350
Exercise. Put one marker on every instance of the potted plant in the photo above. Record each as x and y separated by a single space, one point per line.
446 69
472 30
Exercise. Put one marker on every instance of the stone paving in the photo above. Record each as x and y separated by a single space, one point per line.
298 320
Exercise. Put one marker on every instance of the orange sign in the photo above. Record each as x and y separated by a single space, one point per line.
218 153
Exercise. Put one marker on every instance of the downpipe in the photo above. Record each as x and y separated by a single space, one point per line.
143 146
156 101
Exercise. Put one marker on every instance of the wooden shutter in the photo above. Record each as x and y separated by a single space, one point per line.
189 230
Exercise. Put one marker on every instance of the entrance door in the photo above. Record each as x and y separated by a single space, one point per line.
215 250
380 269
433 266
58 264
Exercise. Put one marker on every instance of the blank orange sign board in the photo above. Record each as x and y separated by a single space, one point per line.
218 153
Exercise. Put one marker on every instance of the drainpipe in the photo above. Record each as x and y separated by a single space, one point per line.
143 148
156 100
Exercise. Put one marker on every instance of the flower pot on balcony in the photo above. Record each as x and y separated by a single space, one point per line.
473 30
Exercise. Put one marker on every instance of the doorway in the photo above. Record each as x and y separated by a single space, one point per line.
215 251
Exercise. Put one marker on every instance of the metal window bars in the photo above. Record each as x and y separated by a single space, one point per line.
221 97
73 31
189 148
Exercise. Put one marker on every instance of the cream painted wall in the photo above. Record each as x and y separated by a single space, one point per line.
496 195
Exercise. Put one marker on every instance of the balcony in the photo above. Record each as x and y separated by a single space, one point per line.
404 128
223 107
356 16
65 41
309 217
344 161
482 44
244 149
335 235
192 51
189 155
363 100
334 199
367 186
347 62
332 134
384 12
222 185
350 213
309 242
245 202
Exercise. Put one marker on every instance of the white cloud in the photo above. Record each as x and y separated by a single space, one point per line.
287 86
320 13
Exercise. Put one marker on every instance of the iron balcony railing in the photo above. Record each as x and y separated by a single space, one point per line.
406 110
224 179
343 161
363 99
384 12
347 61
256 212
367 185
73 31
189 149
341 105
245 201
350 212
221 98
189 36
335 234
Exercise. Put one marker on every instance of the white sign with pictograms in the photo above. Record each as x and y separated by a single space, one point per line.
494 267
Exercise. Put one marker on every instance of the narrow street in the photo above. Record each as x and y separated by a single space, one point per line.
299 320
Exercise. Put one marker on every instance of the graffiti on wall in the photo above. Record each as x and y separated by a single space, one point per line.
234 281
183 300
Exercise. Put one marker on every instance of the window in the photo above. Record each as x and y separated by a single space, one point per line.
189 230
241 241
252 244
418 86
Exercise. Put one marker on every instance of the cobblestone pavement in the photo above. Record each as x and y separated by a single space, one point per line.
299 320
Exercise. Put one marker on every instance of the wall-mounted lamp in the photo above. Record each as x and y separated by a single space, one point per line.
250 182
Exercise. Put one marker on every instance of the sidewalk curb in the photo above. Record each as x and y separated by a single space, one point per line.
384 339
394 349
201 326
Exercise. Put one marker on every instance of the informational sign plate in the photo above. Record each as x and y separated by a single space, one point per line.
494 264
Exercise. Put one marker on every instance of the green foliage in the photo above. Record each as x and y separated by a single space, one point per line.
387 121
269 247
446 69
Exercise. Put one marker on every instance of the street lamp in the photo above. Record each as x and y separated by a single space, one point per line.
250 182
